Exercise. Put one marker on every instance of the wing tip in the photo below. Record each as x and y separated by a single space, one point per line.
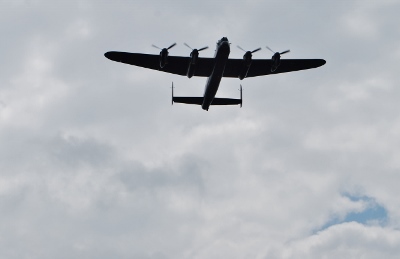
322 62
111 55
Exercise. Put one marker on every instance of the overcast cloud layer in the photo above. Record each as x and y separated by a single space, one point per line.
96 163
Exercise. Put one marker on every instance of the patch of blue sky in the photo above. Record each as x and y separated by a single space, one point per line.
373 214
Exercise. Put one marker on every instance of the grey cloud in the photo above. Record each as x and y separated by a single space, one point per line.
95 162
346 239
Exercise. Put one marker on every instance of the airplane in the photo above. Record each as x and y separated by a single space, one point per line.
214 68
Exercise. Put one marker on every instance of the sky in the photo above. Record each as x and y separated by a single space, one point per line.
96 163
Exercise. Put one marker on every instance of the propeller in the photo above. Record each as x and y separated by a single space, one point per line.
164 54
276 59
249 51
247 59
194 56
195 49
281 53
170 47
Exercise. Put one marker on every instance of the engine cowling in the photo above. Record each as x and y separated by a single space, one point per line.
163 57
276 61
246 63
194 55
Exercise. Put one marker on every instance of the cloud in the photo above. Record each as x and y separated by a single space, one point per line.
96 163
347 239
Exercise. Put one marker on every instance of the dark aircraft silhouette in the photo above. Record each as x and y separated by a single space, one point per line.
214 68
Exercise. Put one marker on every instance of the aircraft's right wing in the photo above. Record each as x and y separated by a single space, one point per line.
176 65
262 67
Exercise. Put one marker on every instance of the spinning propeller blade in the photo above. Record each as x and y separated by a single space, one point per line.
241 48
270 50
187 45
249 51
281 53
194 49
203 48
173 45
170 47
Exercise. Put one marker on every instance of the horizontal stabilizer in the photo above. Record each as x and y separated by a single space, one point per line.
226 101
188 100
199 100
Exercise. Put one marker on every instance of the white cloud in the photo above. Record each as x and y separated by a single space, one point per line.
95 162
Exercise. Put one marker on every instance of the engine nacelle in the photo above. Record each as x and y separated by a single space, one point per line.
191 70
163 57
194 55
247 58
276 61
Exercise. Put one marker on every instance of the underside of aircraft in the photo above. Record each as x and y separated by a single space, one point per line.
214 68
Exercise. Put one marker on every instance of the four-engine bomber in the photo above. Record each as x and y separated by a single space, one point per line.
214 68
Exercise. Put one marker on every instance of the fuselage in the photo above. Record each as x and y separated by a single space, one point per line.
220 59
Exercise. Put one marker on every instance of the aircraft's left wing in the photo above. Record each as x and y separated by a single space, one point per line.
176 65
262 67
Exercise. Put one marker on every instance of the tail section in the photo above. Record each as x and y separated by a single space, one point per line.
188 100
199 100
226 101
241 96
172 100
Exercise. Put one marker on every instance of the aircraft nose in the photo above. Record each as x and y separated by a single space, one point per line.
225 45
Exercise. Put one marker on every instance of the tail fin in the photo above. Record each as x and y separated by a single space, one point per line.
172 100
241 96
